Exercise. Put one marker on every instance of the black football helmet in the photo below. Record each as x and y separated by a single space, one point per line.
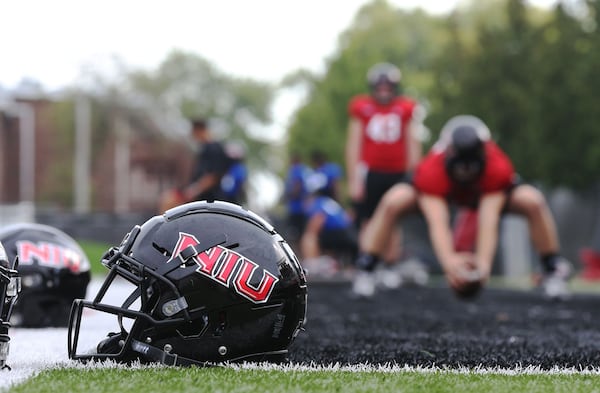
205 282
464 139
445 138
386 74
9 289
54 271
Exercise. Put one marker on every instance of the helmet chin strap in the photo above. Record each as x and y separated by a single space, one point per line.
167 358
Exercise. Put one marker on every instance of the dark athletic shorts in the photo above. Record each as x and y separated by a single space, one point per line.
376 184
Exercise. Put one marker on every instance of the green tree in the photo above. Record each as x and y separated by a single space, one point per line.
500 91
531 78
186 86
566 90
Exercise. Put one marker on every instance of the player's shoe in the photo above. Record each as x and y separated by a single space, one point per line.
364 284
555 284
413 272
322 268
388 277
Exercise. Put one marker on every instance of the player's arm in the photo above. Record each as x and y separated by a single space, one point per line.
437 214
204 183
415 149
353 169
415 140
490 208
217 165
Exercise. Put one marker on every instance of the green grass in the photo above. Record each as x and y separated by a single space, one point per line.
94 251
219 379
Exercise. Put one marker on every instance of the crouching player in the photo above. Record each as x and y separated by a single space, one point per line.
466 169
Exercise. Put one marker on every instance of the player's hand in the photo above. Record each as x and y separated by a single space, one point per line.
356 191
170 199
463 274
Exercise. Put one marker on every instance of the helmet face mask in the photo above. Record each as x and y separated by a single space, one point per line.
465 155
10 286
465 171
208 282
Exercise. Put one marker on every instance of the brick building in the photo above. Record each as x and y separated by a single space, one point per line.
127 172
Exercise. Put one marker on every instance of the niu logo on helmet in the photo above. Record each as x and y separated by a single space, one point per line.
230 269
50 255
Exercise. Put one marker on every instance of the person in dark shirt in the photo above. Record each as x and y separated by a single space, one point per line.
210 165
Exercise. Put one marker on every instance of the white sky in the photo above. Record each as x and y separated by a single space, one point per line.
50 41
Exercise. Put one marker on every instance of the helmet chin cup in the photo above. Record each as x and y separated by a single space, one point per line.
112 344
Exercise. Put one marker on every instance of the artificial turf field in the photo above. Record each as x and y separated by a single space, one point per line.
431 327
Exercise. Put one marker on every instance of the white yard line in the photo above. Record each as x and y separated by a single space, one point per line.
394 368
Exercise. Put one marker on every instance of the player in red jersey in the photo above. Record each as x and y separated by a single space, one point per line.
382 144
466 169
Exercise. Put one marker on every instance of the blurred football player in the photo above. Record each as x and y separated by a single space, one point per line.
466 169
54 271
233 183
329 234
210 165
330 170
382 146
294 194
10 286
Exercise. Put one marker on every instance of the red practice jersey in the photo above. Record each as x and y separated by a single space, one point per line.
431 178
384 141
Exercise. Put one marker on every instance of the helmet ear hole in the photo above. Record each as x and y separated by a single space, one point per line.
194 330
221 324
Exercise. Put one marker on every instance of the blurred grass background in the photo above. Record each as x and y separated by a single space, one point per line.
94 251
